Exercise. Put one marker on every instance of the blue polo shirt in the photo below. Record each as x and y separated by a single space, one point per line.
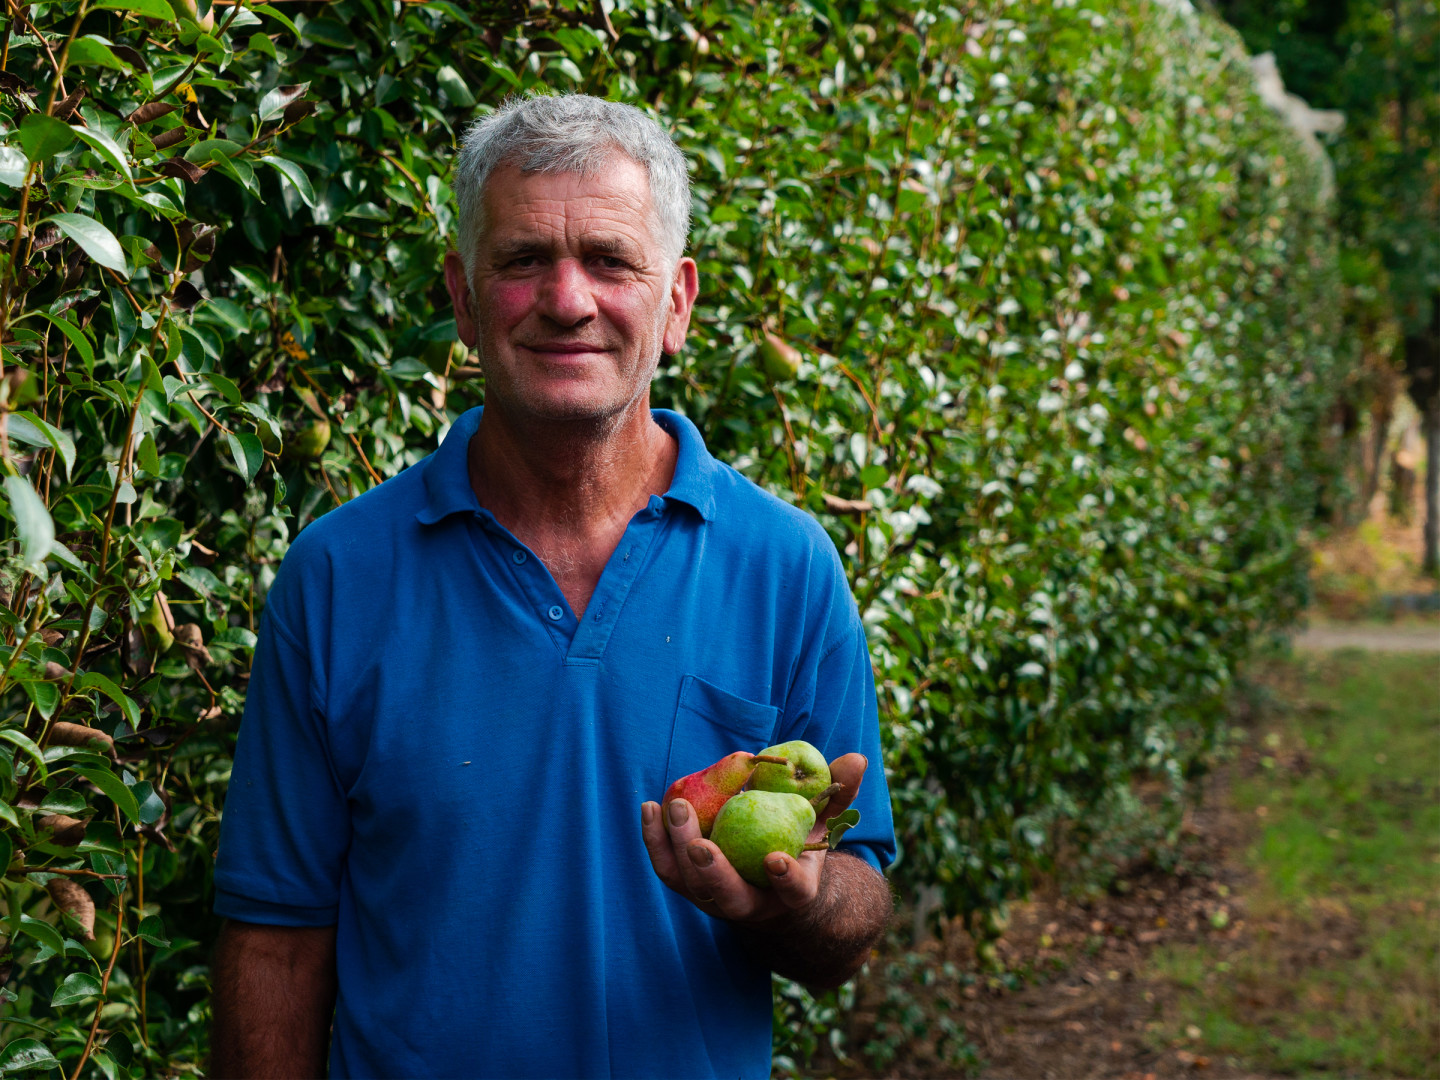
440 759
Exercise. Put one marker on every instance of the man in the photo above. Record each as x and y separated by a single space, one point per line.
470 679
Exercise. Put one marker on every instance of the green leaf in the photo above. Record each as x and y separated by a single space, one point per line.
64 801
147 457
94 51
14 166
77 338
42 137
329 32
101 836
112 1070
249 455
455 88
151 9
32 519
271 12
840 824
76 987
94 680
52 436
152 807
22 1055
262 44
152 929
114 787
97 241
114 865
108 149
42 932
45 695
296 175
274 102
501 69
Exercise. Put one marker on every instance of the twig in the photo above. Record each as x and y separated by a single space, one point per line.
66 873
105 539
109 970
18 12
59 80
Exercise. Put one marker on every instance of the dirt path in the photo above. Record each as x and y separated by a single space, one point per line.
1110 984
1372 638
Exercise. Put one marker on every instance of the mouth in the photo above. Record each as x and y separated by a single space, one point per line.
560 350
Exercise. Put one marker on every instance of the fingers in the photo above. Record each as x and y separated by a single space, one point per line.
657 844
698 870
847 771
795 883
709 874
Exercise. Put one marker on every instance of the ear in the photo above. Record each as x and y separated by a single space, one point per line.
459 290
683 290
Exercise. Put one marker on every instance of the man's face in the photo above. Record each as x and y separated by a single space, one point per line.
573 298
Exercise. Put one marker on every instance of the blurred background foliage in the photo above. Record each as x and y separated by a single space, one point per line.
1032 303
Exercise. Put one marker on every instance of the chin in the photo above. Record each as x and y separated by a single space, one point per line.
593 409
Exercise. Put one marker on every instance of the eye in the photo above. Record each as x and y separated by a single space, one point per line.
611 262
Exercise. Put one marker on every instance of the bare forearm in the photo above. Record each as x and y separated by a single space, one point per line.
274 993
825 945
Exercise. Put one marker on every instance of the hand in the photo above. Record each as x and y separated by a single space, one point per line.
698 870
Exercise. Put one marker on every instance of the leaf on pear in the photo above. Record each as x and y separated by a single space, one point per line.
839 825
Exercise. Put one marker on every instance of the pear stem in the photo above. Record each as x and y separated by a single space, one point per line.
817 846
769 759
820 800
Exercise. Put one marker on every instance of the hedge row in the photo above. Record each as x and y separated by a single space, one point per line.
1054 303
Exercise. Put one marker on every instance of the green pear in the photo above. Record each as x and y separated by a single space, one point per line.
310 442
804 773
778 358
752 824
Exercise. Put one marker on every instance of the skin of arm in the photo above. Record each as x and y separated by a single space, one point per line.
823 912
273 997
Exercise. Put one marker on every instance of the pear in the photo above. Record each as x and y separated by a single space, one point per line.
804 772
754 823
778 358
310 442
708 789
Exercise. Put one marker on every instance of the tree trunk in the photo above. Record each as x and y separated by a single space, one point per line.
1431 563
1422 365
1373 466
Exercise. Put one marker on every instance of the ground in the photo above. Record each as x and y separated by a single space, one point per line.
1298 934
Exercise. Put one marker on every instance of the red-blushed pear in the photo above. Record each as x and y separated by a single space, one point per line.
708 789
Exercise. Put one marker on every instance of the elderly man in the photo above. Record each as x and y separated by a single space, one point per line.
470 680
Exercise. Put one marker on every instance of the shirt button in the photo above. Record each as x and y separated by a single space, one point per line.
556 613
518 556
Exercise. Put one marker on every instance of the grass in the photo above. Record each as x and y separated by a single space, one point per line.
1338 973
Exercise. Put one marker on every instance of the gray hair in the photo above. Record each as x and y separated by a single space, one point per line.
570 133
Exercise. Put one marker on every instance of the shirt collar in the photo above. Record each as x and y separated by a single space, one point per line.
447 472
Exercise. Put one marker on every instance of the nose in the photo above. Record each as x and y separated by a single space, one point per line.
565 296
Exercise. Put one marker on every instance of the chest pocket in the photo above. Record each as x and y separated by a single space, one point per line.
710 723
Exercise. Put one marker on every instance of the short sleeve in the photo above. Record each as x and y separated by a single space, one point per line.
286 827
832 706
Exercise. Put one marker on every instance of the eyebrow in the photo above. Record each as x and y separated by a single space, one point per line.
505 250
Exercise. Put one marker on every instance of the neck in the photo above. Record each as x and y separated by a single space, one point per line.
568 477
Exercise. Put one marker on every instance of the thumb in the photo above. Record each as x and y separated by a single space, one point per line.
847 771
